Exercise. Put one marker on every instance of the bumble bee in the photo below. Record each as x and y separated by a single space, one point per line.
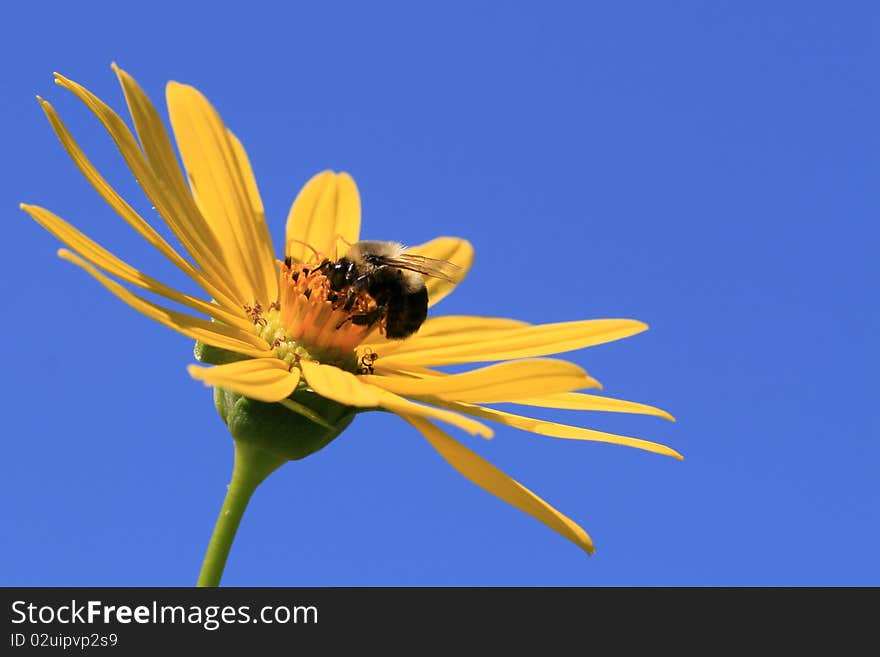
394 280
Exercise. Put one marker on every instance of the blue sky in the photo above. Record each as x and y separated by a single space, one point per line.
709 168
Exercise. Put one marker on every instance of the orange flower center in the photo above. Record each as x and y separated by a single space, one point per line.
325 321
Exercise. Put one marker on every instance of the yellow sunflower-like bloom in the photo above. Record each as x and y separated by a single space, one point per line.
281 337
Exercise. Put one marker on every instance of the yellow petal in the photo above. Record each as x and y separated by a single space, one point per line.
154 139
212 333
576 401
504 344
174 204
159 150
451 249
264 239
263 379
556 430
465 327
222 188
345 388
325 215
418 372
339 385
491 479
496 383
401 406
100 257
246 174
125 210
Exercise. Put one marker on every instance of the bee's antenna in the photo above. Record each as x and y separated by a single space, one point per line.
339 238
307 245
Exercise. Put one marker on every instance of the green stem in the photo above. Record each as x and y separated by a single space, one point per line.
252 466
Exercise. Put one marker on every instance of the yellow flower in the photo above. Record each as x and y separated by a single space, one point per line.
286 336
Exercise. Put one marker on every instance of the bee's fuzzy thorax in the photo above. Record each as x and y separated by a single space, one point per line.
365 250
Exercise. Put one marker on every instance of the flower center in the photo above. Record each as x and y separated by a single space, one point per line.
326 320
268 326
312 320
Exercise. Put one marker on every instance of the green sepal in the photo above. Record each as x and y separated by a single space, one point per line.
281 430
209 355
302 426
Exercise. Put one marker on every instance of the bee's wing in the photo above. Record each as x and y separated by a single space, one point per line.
423 265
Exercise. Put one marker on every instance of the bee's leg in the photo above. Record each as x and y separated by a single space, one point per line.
368 318
357 285
350 299
364 319
360 282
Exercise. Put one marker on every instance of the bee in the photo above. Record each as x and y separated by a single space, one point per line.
393 278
